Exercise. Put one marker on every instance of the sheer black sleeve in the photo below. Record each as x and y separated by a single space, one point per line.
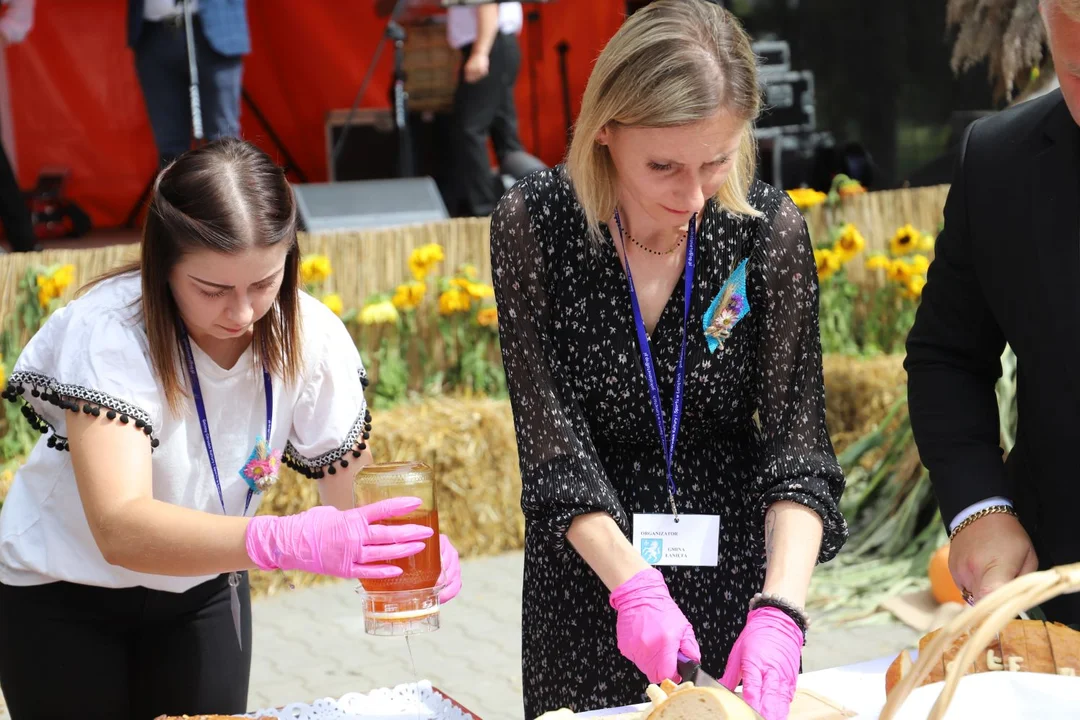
561 473
799 463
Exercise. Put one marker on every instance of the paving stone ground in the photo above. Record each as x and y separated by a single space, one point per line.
310 643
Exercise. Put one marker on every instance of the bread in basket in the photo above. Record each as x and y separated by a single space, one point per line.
967 642
1021 646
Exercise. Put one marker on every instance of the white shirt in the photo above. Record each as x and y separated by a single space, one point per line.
461 22
156 10
17 21
96 349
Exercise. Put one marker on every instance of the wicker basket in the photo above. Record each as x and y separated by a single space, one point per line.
982 622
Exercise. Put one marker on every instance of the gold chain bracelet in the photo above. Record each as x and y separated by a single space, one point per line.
992 510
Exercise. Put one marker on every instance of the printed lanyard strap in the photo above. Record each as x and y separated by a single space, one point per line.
200 407
668 444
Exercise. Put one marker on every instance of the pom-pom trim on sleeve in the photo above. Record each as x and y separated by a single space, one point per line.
74 398
355 443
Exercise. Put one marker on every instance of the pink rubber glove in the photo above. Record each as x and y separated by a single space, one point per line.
651 628
766 659
328 541
450 578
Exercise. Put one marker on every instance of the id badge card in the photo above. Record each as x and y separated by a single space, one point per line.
693 540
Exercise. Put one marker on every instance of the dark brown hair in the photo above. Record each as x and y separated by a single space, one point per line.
226 196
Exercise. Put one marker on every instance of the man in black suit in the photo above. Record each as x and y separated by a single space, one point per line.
1007 270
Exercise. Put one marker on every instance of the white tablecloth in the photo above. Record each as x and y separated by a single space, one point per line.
859 687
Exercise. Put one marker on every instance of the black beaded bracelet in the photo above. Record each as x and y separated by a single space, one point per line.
797 614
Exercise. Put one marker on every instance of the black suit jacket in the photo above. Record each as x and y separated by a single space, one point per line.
1007 269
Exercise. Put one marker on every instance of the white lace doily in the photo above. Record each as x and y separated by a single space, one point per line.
417 701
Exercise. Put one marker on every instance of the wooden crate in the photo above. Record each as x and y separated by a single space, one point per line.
431 66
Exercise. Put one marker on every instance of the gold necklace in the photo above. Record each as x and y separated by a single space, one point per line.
682 236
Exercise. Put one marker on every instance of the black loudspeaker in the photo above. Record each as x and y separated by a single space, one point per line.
367 204
789 101
370 151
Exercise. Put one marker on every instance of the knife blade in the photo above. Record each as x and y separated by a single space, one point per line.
691 671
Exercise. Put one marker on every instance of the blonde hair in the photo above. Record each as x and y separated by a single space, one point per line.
672 63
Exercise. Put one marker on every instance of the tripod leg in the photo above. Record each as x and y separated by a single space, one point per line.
290 163
133 216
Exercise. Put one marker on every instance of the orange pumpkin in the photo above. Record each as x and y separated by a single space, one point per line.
942 585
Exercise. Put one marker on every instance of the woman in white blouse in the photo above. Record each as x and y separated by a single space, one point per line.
167 395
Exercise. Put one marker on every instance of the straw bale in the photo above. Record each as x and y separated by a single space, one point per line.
859 393
471 447
469 444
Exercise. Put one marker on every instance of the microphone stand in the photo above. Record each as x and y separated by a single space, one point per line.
396 33
193 71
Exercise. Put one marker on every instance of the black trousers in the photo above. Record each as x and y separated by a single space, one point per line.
14 212
76 651
482 109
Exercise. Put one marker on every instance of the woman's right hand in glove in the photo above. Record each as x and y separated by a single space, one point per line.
651 628
342 543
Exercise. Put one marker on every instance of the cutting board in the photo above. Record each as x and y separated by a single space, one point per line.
809 705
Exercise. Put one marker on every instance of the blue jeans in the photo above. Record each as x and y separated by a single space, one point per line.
161 62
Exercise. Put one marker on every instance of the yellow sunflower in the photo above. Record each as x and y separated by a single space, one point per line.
915 285
828 262
878 262
334 302
899 271
63 276
379 313
488 317
423 260
806 198
453 301
850 243
408 296
905 240
314 269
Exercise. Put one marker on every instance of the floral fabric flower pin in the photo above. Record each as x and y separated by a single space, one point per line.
261 469
727 308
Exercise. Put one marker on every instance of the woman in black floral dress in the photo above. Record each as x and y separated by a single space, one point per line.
660 171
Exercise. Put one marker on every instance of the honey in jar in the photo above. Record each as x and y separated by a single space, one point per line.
409 603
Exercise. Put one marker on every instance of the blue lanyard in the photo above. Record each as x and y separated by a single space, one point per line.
200 407
647 359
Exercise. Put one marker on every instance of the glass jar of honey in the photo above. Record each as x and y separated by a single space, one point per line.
409 603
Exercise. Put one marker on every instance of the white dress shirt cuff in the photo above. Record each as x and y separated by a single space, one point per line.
972 509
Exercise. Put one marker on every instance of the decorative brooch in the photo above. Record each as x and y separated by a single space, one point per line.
727 308
260 471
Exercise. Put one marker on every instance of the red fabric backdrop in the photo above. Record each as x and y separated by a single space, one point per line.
76 101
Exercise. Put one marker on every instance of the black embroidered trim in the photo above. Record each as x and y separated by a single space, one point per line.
74 398
327 463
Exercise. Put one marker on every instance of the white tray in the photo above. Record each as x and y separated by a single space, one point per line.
415 701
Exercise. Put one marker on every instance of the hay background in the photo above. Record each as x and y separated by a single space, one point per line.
471 447
470 444
877 215
385 252
859 393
